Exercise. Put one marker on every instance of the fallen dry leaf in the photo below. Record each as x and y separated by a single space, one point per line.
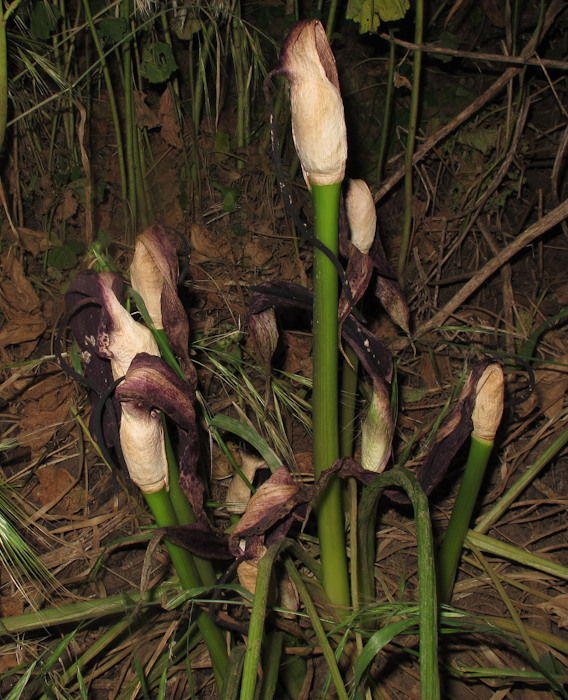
16 292
45 408
53 483
551 385
557 606
170 127
21 306
67 208
34 242
206 245
145 118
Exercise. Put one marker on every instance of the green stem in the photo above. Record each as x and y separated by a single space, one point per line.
3 79
184 564
504 503
412 126
348 402
452 545
113 106
257 618
428 611
318 628
130 125
387 115
4 67
331 19
503 550
183 510
330 517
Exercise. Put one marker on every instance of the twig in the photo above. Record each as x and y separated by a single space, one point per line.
555 7
474 55
551 219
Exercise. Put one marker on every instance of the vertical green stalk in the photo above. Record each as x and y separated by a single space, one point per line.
164 514
136 192
387 115
3 78
240 74
331 19
330 516
4 16
451 548
113 106
428 608
412 125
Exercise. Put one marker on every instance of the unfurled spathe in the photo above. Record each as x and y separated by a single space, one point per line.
318 121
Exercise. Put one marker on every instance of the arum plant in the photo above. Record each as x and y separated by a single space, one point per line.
320 137
486 417
112 342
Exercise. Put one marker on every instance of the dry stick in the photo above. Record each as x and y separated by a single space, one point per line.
445 131
507 283
556 6
553 218
489 57
87 168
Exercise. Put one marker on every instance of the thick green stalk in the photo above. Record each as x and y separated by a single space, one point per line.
330 516
183 562
452 545
184 511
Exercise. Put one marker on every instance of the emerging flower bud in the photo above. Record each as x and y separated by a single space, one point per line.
318 122
148 281
154 275
238 493
488 409
361 214
377 431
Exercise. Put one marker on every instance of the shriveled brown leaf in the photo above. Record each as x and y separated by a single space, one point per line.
23 329
68 207
145 118
53 483
170 127
206 245
34 242
16 291
557 606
